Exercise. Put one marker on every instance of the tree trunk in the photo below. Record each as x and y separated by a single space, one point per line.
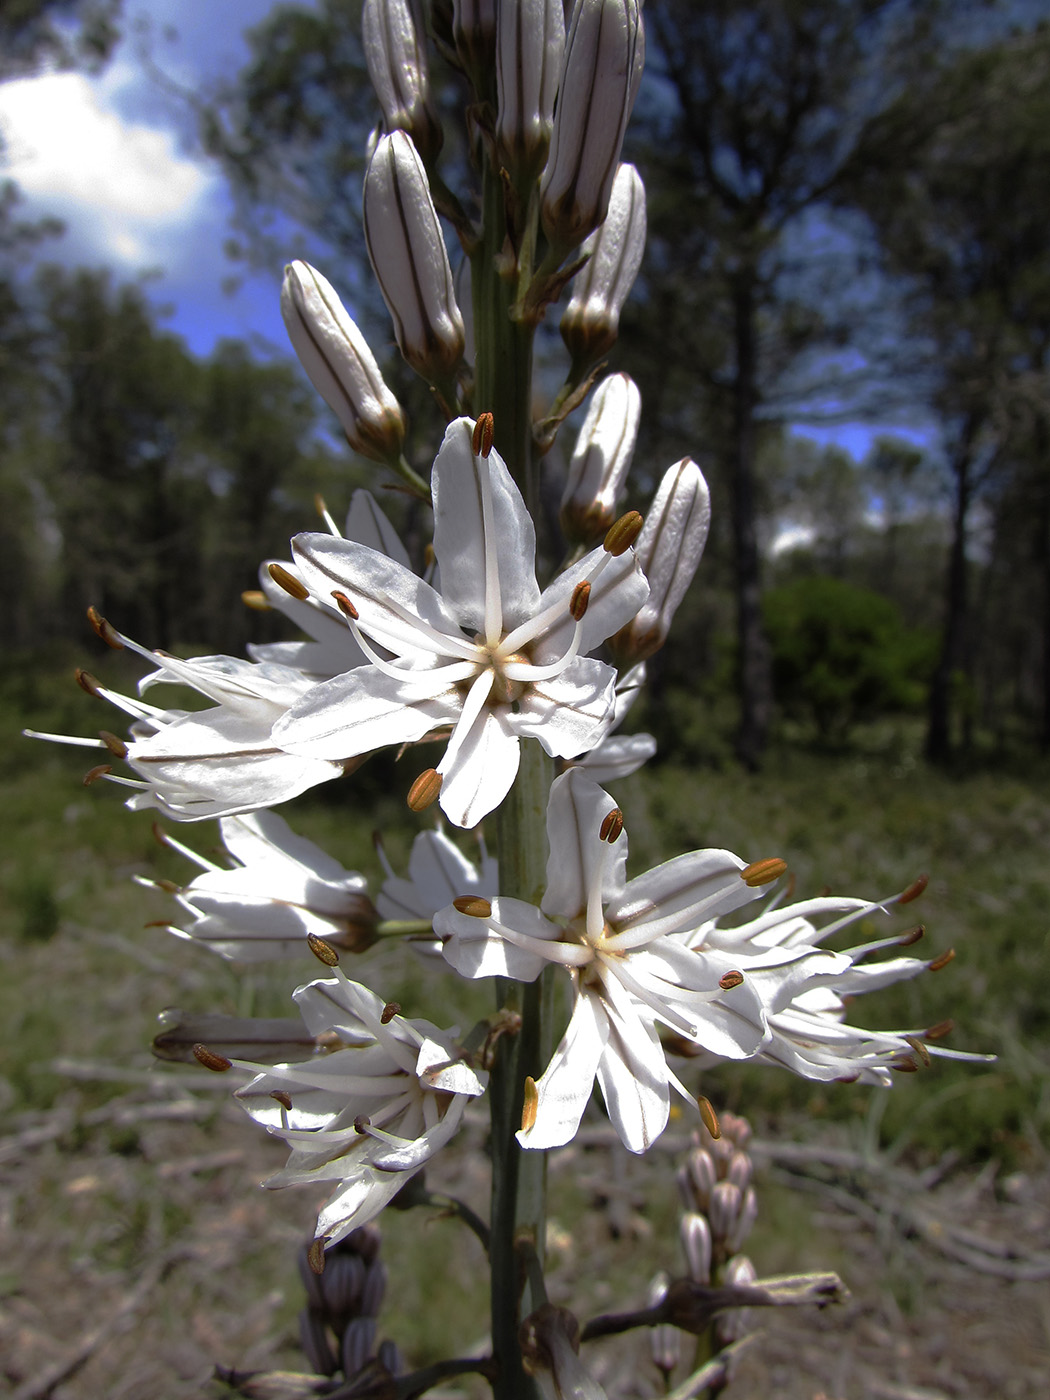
754 667
953 657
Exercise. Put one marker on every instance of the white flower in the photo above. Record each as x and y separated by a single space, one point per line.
489 656
281 889
628 971
620 755
366 1116
808 1033
438 872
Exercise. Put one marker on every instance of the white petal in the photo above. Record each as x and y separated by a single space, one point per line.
578 857
368 524
617 594
565 1089
632 1073
482 771
617 756
570 713
475 949
359 712
679 894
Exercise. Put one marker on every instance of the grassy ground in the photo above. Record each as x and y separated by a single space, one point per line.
117 1176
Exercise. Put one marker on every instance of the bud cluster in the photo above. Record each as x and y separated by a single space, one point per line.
337 1327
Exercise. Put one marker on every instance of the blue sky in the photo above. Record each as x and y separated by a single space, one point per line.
114 157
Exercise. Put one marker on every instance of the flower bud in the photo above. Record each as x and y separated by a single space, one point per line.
745 1221
668 549
340 365
604 54
474 35
392 33
408 256
664 1341
592 318
695 1234
723 1210
601 459
530 47
736 1322
703 1175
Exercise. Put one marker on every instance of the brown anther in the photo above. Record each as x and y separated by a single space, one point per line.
390 1010
940 1030
911 935
315 1254
612 825
255 599
291 585
361 1123
99 771
904 1064
914 890
920 1049
473 906
622 533
322 951
729 980
320 505
168 886
345 606
87 682
285 1100
942 961
763 872
709 1116
530 1104
484 428
581 596
424 791
211 1059
105 630
117 747
159 834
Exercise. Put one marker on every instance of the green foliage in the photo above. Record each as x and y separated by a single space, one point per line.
842 654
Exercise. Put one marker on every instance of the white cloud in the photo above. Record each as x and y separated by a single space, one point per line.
122 187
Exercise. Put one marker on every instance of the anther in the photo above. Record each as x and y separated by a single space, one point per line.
484 428
315 1254
117 747
530 1105
211 1059
345 606
168 886
911 936
291 585
612 825
105 630
424 791
763 872
390 1010
940 1030
729 980
920 1049
623 533
93 774
429 557
320 505
87 682
904 1064
914 890
709 1116
942 961
473 906
322 951
285 1100
581 596
362 1123
255 599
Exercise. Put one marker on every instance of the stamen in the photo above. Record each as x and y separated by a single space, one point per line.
763 872
255 599
390 1010
481 442
322 510
93 774
623 533
942 961
315 1255
729 980
211 1059
526 671
904 1064
87 682
105 630
709 1116
581 596
612 825
424 791
362 1123
920 1049
345 606
940 1030
911 936
285 1100
117 747
322 951
493 597
914 890
473 906
288 582
530 1105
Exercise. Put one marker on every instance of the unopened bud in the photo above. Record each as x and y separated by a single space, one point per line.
408 256
745 1219
340 365
592 318
283 578
664 1341
393 35
702 1173
473 906
601 459
723 1209
669 549
763 872
604 54
739 1169
474 35
623 534
425 790
322 951
530 48
611 827
211 1059
695 1234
